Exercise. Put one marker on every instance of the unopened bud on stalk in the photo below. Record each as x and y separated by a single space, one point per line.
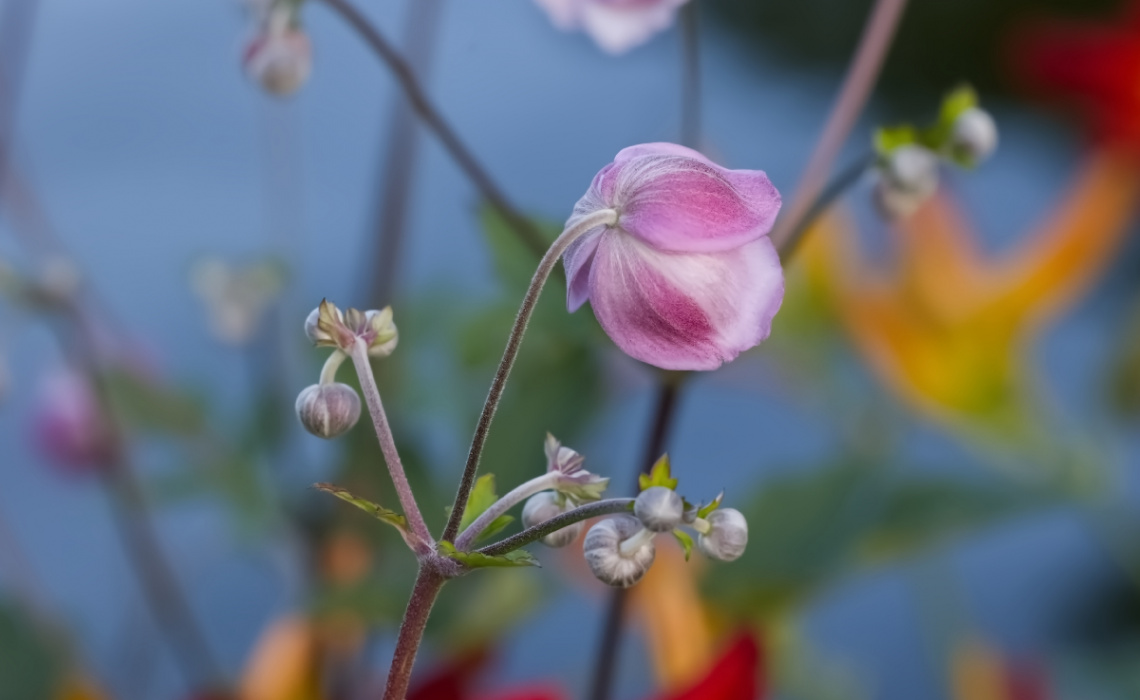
975 136
909 177
619 550
328 410
724 534
280 57
545 505
659 508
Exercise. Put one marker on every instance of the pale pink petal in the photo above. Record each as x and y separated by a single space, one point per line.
578 260
684 311
658 148
617 27
563 13
679 202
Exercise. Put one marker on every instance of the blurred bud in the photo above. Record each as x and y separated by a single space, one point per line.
545 505
328 410
619 550
58 280
236 299
67 424
659 508
975 136
909 177
280 57
726 535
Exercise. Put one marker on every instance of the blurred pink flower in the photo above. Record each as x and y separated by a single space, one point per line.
66 423
615 25
687 278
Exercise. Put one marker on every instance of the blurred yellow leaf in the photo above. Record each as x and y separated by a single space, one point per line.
977 673
284 663
80 687
948 327
676 625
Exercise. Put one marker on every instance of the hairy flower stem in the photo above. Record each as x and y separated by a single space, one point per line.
405 76
424 592
596 509
388 446
515 496
861 75
690 76
575 228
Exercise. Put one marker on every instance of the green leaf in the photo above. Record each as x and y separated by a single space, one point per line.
482 497
888 138
34 659
712 505
957 101
660 475
375 510
147 405
475 560
686 542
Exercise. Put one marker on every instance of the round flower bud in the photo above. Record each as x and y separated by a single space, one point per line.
975 135
280 60
604 555
727 535
545 505
312 330
912 168
328 410
659 508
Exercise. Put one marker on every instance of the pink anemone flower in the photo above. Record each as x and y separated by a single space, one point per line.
686 278
615 25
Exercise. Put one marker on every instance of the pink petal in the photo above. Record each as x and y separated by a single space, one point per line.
578 259
677 200
617 27
684 311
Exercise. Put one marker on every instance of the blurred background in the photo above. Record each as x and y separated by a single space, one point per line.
935 449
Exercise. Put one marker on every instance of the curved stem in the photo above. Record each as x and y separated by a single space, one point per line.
576 226
690 76
596 509
515 496
424 592
332 364
842 182
869 55
388 444
405 75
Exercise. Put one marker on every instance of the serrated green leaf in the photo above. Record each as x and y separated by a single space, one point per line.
375 510
686 542
712 505
660 475
475 560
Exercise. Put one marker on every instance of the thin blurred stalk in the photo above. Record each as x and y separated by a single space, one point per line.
840 184
853 94
690 76
405 76
17 25
401 149
665 402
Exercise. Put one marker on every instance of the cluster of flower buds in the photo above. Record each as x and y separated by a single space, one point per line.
909 158
279 56
620 550
571 486
329 408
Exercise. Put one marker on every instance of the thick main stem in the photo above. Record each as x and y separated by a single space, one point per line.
424 592
387 442
575 228
869 55
515 496
405 75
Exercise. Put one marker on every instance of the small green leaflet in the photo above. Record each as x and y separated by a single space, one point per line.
686 542
482 497
659 475
475 560
703 511
377 511
937 136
